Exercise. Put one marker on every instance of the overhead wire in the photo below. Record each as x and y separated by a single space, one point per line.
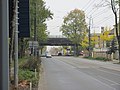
103 20
86 4
99 13
89 4
94 9
95 16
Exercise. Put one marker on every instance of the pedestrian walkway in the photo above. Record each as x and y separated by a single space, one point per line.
41 84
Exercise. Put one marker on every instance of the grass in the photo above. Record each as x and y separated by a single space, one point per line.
97 58
26 73
23 60
27 68
29 76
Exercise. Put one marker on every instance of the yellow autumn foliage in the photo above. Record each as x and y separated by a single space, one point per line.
105 36
95 38
84 42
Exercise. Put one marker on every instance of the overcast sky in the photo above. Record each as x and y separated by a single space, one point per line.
102 16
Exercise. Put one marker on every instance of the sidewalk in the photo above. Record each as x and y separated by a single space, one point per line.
41 84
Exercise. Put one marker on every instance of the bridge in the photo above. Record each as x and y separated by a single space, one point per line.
57 41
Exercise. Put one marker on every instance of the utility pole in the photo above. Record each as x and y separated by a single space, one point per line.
119 16
4 51
89 36
16 48
35 32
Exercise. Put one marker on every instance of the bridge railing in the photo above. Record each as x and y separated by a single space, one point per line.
56 36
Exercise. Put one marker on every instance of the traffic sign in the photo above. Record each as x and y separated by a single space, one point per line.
33 44
23 17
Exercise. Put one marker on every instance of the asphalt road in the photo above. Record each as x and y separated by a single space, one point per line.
69 73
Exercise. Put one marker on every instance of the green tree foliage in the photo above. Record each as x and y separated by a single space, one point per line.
39 11
74 26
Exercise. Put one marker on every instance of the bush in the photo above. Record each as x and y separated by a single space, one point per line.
101 58
97 58
31 64
27 68
89 57
27 75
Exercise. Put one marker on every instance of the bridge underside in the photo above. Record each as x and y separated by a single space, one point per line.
57 42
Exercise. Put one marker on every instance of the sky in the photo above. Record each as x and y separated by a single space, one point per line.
101 16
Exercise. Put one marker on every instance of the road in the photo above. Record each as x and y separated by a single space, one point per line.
69 73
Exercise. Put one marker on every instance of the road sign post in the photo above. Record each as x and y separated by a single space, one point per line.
33 46
4 30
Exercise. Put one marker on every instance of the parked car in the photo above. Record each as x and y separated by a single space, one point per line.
59 54
43 55
48 55
81 53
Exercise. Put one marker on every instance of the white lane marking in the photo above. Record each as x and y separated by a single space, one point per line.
94 78
102 82
91 76
108 72
115 83
74 64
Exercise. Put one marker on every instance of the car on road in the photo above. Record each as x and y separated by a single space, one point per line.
43 55
48 55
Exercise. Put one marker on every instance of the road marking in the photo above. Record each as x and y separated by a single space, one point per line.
90 75
115 83
102 82
108 72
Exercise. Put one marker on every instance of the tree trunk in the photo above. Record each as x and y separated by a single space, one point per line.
41 51
119 31
21 48
116 24
11 44
119 50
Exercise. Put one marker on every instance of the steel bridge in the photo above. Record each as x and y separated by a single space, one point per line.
57 41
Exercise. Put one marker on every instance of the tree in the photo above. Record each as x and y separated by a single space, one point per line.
74 26
114 4
85 41
39 11
38 16
12 29
105 37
